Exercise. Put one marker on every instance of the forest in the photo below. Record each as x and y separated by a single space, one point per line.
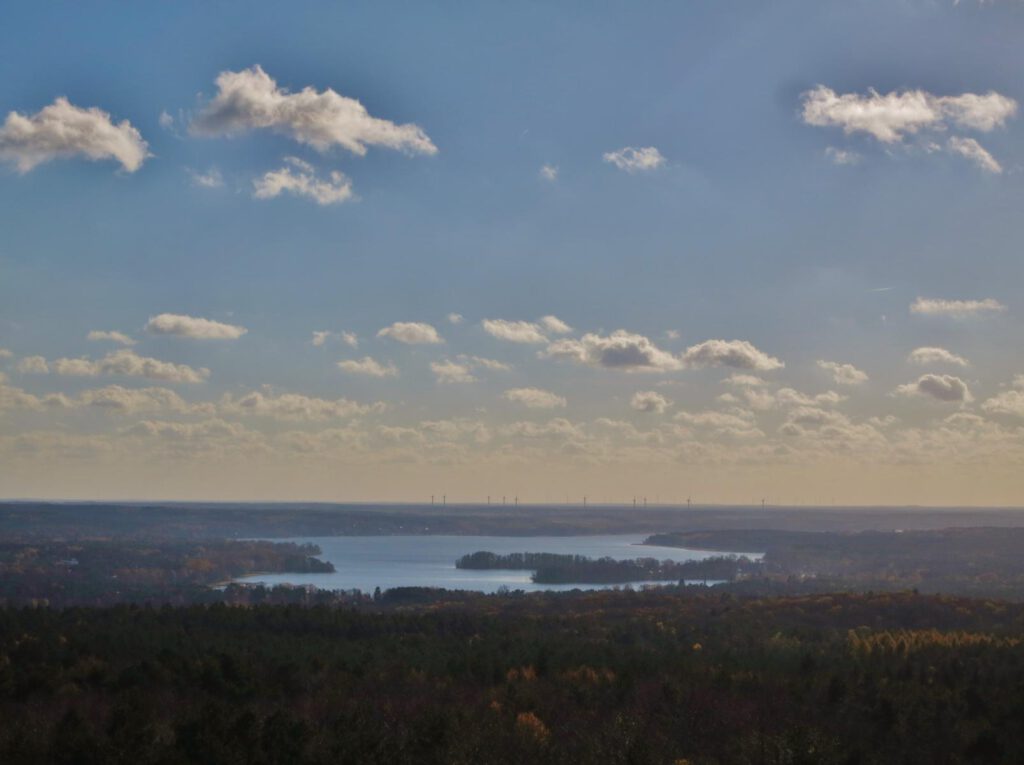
621 677
978 561
105 572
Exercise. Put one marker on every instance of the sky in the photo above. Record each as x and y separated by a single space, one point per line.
384 251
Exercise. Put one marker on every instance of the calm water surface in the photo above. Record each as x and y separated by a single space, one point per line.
429 561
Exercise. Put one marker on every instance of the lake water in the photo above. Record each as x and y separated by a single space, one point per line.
429 561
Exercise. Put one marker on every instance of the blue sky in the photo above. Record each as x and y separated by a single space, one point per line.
806 238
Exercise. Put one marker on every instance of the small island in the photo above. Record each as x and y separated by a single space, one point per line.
551 568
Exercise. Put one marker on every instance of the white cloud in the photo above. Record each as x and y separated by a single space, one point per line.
842 156
942 387
844 374
5 354
116 398
447 371
113 336
211 179
295 406
892 116
127 363
534 398
738 354
64 130
251 99
736 423
16 398
621 350
166 120
930 355
649 401
764 400
514 331
411 333
744 381
300 179
633 160
957 309
975 152
320 337
33 365
368 366
555 326
1007 402
478 361
455 318
193 327
549 172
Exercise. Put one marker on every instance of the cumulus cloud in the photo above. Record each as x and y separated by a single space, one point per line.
736 423
891 116
549 172
534 398
113 336
621 350
635 160
33 365
295 406
555 326
411 333
320 338
447 371
649 401
115 398
455 318
975 152
251 99
844 374
1007 402
478 361
127 363
744 380
514 331
738 354
957 309
193 327
65 130
16 398
211 179
299 179
764 400
369 367
930 355
941 387
5 353
842 156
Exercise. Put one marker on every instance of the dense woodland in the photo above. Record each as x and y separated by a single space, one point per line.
986 562
105 572
611 677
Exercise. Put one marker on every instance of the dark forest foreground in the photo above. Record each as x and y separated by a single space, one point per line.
608 677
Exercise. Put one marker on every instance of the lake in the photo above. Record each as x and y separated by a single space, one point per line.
365 563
